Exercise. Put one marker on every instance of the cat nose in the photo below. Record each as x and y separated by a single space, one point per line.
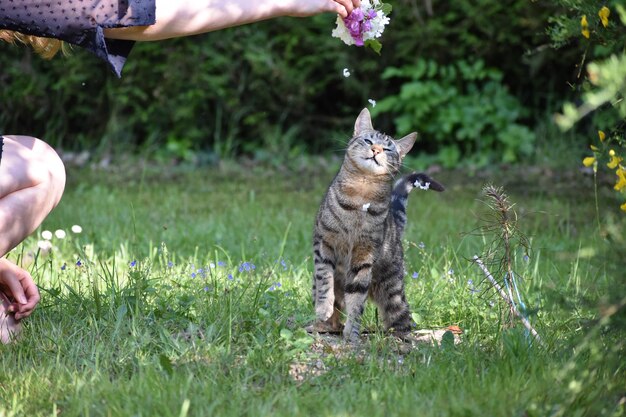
376 149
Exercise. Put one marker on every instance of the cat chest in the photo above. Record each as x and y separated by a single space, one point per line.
352 224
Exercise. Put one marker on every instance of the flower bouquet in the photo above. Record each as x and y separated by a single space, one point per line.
364 25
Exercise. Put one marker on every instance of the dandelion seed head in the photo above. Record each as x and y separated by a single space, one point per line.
76 229
60 234
346 72
46 234
44 245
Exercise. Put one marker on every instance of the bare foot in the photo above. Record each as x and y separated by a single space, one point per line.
9 327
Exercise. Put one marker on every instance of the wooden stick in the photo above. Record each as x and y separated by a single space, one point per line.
510 302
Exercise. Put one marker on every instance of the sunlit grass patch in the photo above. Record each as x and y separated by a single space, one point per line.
190 295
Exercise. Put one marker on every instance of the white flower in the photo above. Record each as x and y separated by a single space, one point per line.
77 229
366 206
421 186
378 26
341 32
346 72
44 245
372 102
60 234
46 234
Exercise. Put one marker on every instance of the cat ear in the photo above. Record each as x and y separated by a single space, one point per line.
363 122
406 143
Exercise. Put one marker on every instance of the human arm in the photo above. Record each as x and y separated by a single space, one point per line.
19 287
191 17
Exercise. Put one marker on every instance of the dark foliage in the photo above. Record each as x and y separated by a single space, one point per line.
277 87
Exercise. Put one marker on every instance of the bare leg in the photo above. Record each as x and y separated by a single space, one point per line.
32 180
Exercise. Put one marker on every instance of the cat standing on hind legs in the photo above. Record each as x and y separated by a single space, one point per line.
357 240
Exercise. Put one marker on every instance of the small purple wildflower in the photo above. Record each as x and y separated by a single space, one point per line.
170 264
450 271
133 264
206 289
284 264
230 277
526 258
63 266
79 263
193 275
415 275
470 282
421 245
357 23
220 263
247 266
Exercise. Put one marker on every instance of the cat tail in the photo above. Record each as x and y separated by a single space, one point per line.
401 190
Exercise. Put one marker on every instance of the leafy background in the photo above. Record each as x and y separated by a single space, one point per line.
475 78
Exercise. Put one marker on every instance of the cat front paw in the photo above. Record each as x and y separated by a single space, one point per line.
351 333
323 311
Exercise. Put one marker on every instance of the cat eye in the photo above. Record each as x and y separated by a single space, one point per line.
369 142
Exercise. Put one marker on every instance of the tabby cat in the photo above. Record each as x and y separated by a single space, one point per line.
357 242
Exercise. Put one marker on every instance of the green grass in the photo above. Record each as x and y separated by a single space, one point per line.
174 336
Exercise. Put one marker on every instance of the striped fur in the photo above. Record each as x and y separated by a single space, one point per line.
357 244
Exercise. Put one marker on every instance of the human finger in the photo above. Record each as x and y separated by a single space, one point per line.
343 7
12 285
30 291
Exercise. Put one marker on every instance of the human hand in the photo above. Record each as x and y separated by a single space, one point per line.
19 288
302 8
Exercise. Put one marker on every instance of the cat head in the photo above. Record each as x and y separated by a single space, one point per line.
375 153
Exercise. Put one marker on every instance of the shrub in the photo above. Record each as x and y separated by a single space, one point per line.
461 109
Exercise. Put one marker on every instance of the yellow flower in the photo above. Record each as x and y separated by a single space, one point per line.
584 26
601 135
615 160
621 179
623 206
588 161
604 16
594 148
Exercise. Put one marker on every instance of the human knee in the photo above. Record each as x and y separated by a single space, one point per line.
56 169
50 170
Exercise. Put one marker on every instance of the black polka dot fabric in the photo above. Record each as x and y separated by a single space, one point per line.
80 22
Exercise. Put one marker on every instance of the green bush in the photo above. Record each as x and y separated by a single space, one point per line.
461 109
